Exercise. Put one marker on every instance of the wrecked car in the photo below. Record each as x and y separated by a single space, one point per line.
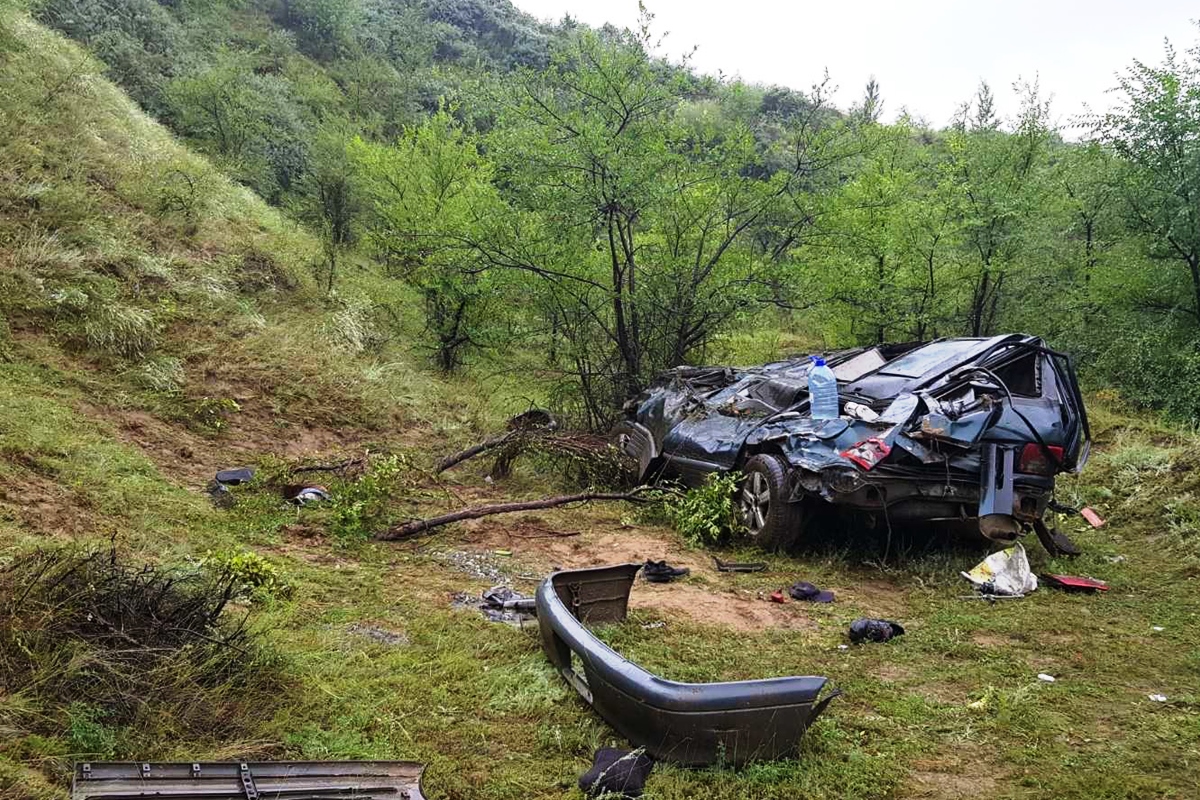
692 724
963 429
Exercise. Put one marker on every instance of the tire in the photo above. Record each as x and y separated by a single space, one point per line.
771 521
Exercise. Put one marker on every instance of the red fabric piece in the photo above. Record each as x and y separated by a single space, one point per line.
1076 582
868 453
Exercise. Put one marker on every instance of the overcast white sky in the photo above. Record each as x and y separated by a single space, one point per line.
928 55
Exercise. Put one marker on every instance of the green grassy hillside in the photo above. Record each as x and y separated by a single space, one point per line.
161 322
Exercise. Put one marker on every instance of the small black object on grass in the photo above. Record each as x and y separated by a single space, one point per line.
733 566
874 630
662 572
617 773
803 590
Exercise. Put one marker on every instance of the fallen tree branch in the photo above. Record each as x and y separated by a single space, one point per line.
344 465
471 452
410 529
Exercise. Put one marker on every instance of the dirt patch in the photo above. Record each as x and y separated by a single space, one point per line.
44 505
874 598
543 545
993 641
191 460
951 779
741 612
539 546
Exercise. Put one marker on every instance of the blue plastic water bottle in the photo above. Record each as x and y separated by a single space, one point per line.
822 391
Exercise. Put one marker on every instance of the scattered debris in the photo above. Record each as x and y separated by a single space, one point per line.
1115 559
236 476
843 647
874 630
1094 519
617 773
1073 583
1004 573
651 626
505 553
499 604
1055 541
220 495
210 779
734 566
805 591
778 597
380 635
868 452
1157 698
304 495
218 488
860 411
477 565
1044 677
1158 628
662 572
691 724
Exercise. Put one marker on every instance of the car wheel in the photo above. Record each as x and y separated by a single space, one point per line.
772 522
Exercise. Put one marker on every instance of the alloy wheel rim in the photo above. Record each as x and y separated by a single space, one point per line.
756 502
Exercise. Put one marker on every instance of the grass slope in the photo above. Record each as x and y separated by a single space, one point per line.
131 320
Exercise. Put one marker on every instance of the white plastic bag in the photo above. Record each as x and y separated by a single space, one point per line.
1004 572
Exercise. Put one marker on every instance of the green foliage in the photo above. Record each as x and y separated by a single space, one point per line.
326 26
362 508
211 414
250 575
433 199
89 736
708 514
113 651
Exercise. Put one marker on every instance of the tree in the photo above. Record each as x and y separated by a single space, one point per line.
432 196
997 176
1155 129
329 198
636 229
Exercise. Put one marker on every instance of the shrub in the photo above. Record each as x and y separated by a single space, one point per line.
211 414
250 575
708 514
159 374
109 652
104 324
361 508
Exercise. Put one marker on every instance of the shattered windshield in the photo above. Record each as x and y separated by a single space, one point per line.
918 362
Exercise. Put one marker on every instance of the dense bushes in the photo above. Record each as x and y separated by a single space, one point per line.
116 654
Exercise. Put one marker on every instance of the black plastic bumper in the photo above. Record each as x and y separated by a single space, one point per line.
686 723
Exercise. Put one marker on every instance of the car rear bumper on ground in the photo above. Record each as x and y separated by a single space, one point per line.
686 723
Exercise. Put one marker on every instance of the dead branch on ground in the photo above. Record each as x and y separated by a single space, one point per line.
417 527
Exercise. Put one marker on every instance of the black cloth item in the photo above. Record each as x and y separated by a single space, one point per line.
874 630
620 772
662 572
803 590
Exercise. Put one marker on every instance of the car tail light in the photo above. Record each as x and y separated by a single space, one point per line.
1036 461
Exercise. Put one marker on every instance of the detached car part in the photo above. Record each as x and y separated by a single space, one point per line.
692 724
253 780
